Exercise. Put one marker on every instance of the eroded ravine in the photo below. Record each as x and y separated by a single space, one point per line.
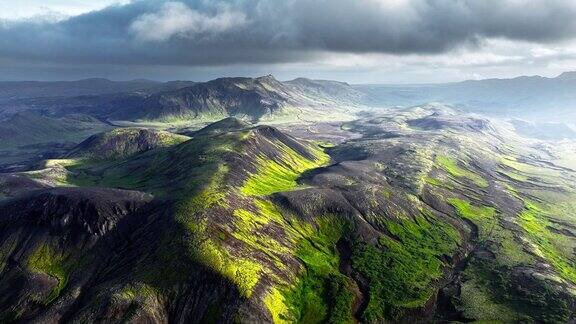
361 289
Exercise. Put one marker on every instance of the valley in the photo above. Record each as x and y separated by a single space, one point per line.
288 162
417 214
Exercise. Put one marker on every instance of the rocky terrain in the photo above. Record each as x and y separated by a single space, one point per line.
423 214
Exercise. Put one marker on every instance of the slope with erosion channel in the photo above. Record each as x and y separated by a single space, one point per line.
502 190
425 217
189 226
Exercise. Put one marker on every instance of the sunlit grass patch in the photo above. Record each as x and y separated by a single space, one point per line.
451 166
549 244
500 240
47 260
281 174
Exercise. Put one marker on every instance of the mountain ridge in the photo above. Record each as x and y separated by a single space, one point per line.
250 98
247 223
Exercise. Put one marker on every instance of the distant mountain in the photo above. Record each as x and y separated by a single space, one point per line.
31 128
535 97
544 130
34 89
567 76
28 136
247 98
333 91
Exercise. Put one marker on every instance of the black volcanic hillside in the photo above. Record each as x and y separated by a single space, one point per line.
74 211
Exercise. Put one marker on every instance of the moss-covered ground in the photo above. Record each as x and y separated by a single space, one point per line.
227 216
320 292
452 166
556 248
403 267
49 261
281 174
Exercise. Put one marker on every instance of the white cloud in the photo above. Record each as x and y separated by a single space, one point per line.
51 9
177 19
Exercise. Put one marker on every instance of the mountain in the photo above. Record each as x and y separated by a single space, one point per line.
567 76
222 126
321 90
11 90
123 142
248 98
243 97
535 98
422 214
544 130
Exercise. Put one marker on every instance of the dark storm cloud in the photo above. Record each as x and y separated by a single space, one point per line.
272 31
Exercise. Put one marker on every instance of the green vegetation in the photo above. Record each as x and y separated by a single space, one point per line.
401 272
451 166
223 218
477 300
438 183
281 174
493 293
490 290
244 272
135 291
491 233
548 244
178 171
123 142
321 293
48 261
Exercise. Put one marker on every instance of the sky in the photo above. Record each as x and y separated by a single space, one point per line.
360 41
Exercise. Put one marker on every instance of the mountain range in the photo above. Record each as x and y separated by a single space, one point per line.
250 98
531 97
421 214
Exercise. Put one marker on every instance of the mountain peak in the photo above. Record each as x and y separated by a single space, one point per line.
268 77
222 126
570 75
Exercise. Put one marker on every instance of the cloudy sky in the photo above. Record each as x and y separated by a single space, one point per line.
360 41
